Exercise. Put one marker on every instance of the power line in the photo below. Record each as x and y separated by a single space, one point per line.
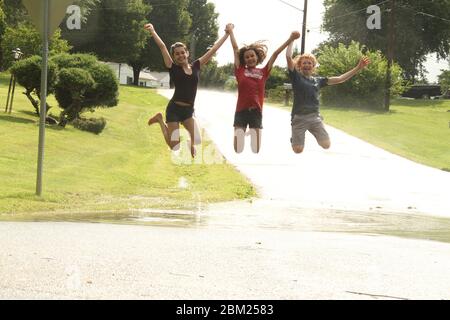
424 13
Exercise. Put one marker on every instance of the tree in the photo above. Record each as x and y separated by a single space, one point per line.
366 89
28 74
83 84
172 22
113 31
444 80
419 29
27 38
204 29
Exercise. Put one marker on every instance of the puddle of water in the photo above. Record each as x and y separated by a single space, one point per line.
265 215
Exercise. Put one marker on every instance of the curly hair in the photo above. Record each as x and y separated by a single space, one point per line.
260 49
298 60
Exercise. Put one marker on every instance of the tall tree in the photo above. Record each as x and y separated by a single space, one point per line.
172 22
421 27
204 29
113 30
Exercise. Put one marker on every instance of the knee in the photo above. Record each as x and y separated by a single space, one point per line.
297 149
325 144
174 145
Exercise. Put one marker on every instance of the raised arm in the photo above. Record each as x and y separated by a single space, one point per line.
289 53
294 35
235 46
165 53
364 62
208 55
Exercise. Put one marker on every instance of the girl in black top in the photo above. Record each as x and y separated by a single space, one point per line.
185 77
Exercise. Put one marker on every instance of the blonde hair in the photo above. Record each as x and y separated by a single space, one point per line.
260 49
298 60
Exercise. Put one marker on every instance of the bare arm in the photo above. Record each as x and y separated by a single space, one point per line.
235 46
208 55
165 53
294 35
364 62
289 53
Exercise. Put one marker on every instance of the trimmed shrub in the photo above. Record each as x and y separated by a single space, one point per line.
367 88
28 75
91 125
84 84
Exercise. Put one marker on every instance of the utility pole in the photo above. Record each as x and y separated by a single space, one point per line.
305 12
390 56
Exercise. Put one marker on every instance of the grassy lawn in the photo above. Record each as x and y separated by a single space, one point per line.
126 167
415 129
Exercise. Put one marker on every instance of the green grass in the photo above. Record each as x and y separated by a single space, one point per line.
126 167
415 129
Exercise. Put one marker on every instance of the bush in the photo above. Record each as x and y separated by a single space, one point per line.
91 125
84 84
367 88
444 80
28 75
276 95
230 84
80 83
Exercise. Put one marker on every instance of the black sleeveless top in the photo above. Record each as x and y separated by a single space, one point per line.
185 84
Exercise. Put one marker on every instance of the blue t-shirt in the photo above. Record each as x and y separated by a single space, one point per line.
306 92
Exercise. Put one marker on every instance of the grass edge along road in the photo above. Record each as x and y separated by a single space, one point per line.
418 130
126 167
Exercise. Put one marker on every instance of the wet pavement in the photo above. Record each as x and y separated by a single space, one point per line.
353 175
354 222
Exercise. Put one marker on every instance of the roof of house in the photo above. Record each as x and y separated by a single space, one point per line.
147 76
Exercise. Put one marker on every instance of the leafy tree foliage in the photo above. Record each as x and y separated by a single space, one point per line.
79 81
367 88
204 28
419 29
28 75
444 80
29 41
83 85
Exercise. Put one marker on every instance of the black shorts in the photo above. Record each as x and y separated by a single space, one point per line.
250 117
176 113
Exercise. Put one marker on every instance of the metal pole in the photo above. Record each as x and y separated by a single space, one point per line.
9 92
43 99
390 57
12 94
305 12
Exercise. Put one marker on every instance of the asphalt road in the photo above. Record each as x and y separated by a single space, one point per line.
354 222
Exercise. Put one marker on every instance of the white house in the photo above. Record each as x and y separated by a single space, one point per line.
163 79
146 79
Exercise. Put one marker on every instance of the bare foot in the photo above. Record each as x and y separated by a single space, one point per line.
156 118
193 152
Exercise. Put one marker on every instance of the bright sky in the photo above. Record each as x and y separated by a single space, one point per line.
273 20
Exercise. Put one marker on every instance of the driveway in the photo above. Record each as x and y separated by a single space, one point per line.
352 175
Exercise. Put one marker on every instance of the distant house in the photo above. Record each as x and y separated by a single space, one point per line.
146 78
163 79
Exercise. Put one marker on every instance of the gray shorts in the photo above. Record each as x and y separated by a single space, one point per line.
311 122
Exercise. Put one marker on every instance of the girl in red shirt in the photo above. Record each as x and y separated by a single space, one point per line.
185 77
251 86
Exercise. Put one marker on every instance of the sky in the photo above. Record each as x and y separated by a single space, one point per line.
274 20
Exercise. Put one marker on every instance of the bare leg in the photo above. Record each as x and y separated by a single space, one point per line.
239 139
170 131
255 135
194 132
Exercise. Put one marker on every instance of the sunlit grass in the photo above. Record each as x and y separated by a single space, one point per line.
127 166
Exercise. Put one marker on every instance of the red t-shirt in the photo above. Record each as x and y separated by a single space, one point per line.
251 87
